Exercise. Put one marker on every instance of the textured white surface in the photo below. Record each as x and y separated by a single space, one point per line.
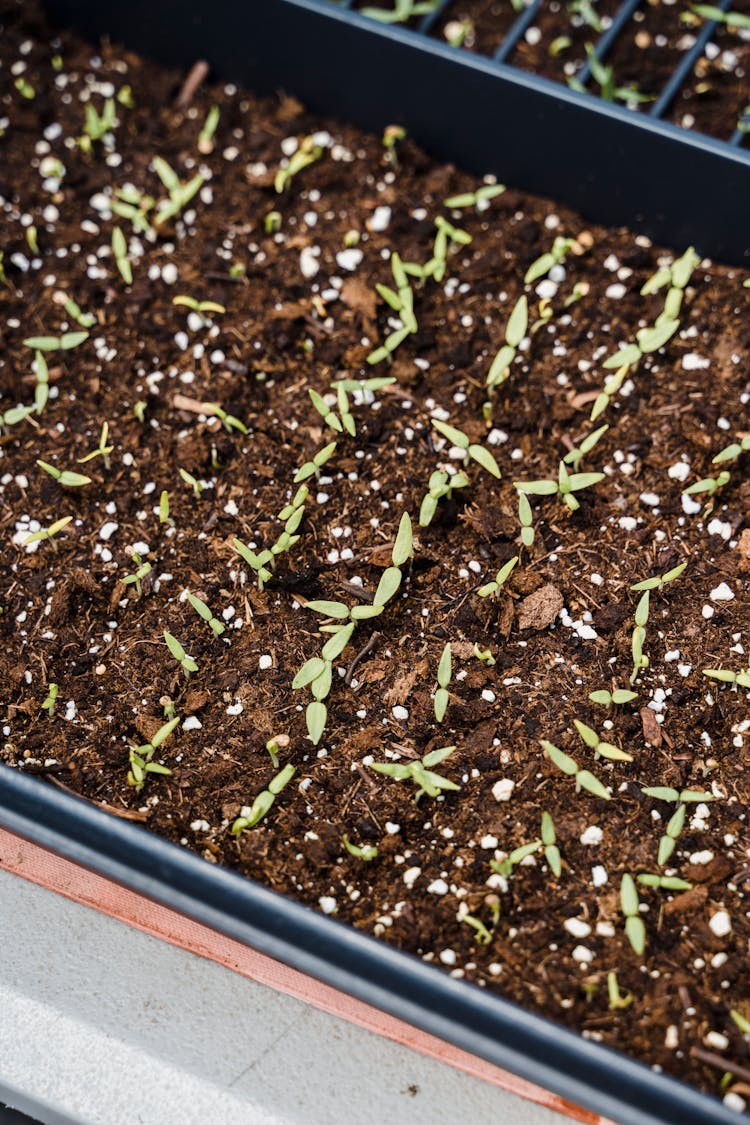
103 1024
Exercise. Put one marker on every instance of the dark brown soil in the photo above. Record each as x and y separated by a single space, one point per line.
68 618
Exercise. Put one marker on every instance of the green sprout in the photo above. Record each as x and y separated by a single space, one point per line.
228 421
717 15
588 13
164 508
515 331
201 307
402 12
664 882
41 390
583 778
564 487
128 203
261 806
710 485
617 697
65 477
676 822
725 676
392 137
102 450
195 484
541 267
51 700
471 450
313 467
142 568
32 239
139 411
479 198
604 76
525 518
308 151
272 222
63 343
640 660
635 930
444 671
576 455
440 485
617 999
447 239
601 749
74 311
206 135
366 853
505 866
401 300
329 416
141 757
96 125
491 589
180 194
176 650
549 841
484 656
15 415
25 89
120 251
205 614
421 773
47 534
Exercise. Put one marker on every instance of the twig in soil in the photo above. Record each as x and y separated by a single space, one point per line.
726 1065
125 814
196 76
360 656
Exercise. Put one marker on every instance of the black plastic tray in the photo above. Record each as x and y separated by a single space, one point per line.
614 166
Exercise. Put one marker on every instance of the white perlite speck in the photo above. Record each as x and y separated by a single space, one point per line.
411 875
592 835
381 217
107 530
721 593
438 887
502 790
577 927
720 923
400 713
716 1040
265 662
582 954
599 875
327 904
349 259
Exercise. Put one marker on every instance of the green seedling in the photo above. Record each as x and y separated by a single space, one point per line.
392 137
617 1000
421 773
635 930
142 568
51 700
366 852
63 343
272 222
205 614
479 198
74 311
472 450
141 757
135 206
328 415
601 749
741 1022
640 660
125 97
206 135
710 485
717 15
576 455
32 239
564 487
202 307
313 467
687 796
65 477
96 125
440 486
47 534
447 239
559 45
307 153
15 415
583 778
484 656
588 13
549 841
195 484
668 841
541 267
402 12
41 390
505 866
618 697
256 562
263 803
444 678
725 676
228 421
484 935
164 508
120 251
515 331
664 882
604 76
491 588
176 650
25 89
102 450
662 580
180 194
525 518
139 411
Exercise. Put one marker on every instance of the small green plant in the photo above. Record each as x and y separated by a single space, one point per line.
401 300
51 700
164 508
440 485
272 222
604 76
263 803
576 455
601 749
15 415
688 796
120 252
264 562
65 477
491 588
505 866
141 757
96 125
731 453
41 390
525 518
725 676
392 137
329 416
308 151
479 198
24 87
367 852
635 930
676 822
565 487
76 313
472 450
142 568
402 12
583 778
447 239
420 771
640 660
176 650
201 307
443 678
515 331
139 411
194 483
228 421
64 343
541 267
587 11
718 15
208 130
484 656
102 450
617 999
205 614
618 697
47 534
180 194
549 842
133 205
313 467
664 882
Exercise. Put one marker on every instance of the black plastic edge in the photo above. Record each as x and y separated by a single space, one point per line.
465 1015
613 165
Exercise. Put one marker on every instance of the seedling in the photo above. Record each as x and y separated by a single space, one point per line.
51 700
164 508
601 749
47 534
549 841
141 757
195 484
206 135
588 13
492 588
505 866
710 485
392 136
447 239
565 486
308 151
444 678
256 562
15 415
440 486
263 803
421 773
525 518
96 125
635 930
74 311
32 239
313 467
176 650
471 450
484 656
662 580
272 222
576 455
617 999
717 15
541 267
664 882
139 411
604 76
63 343
402 12
179 193
583 778
65 477
479 198
201 307
515 331
129 203
25 89
367 852
741 1022
640 660
725 676
41 390
328 415
142 568
228 421
102 450
618 697
204 612
120 251
687 796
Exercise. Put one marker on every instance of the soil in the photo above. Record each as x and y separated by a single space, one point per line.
644 56
560 628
